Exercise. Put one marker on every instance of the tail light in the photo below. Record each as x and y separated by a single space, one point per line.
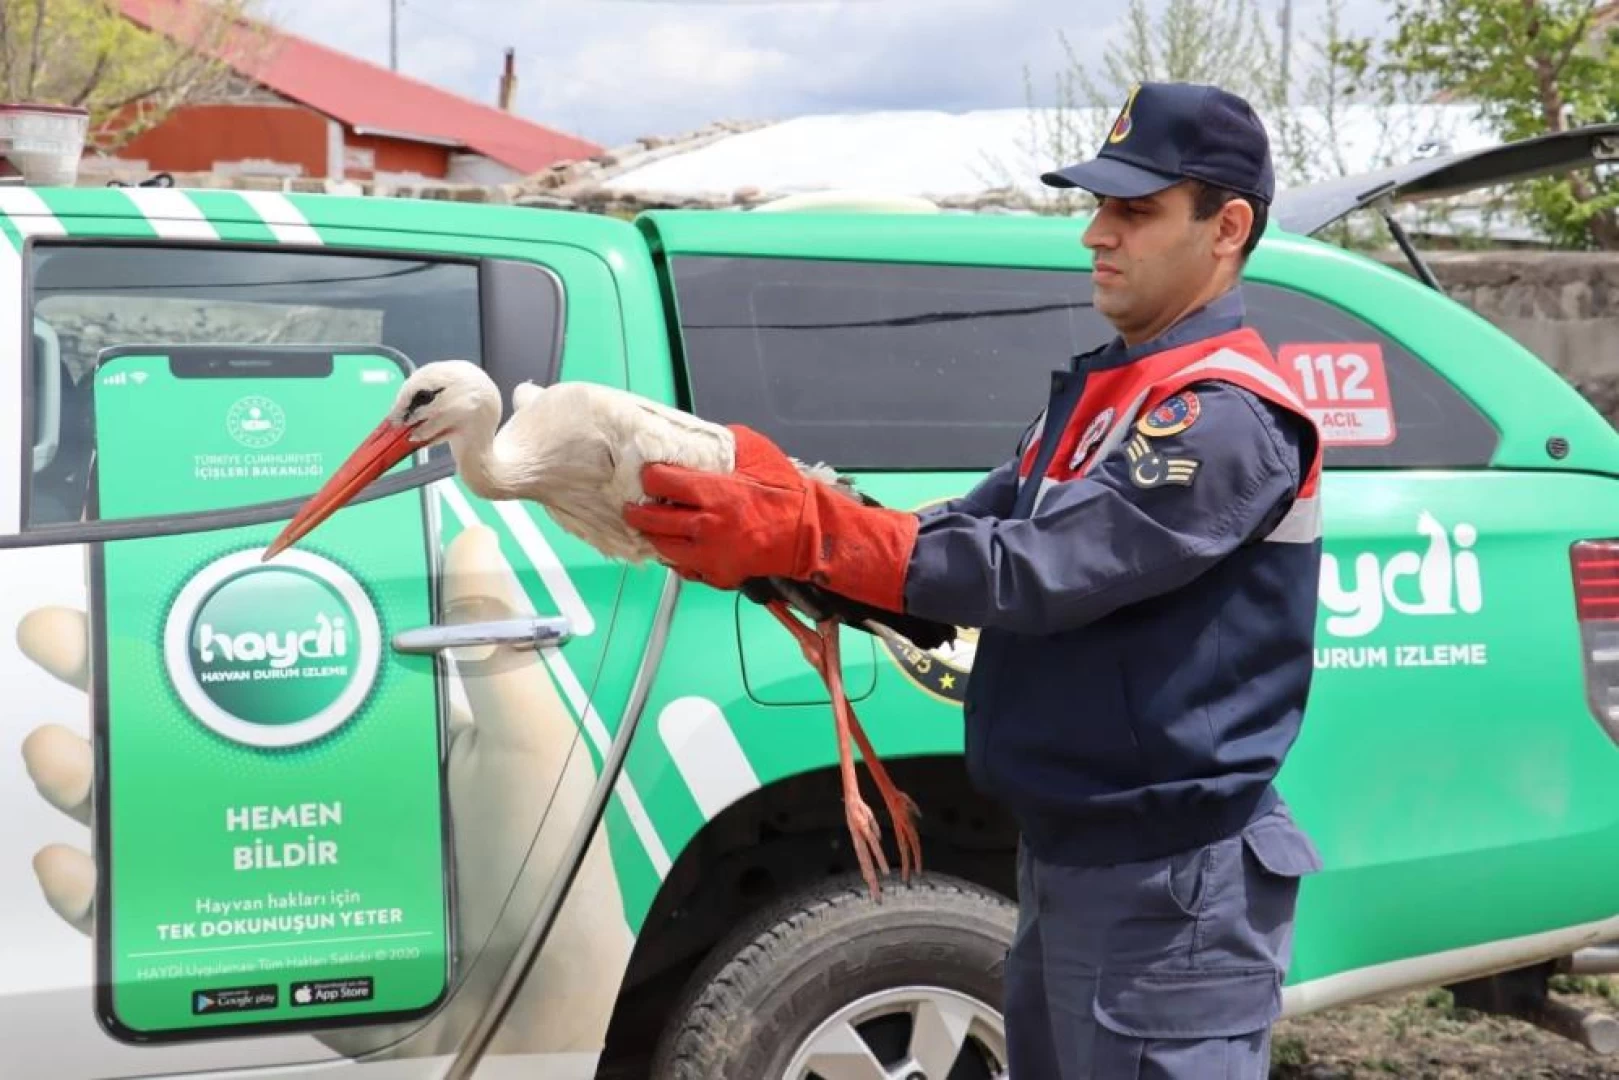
1596 603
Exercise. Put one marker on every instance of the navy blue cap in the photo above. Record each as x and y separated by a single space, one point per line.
1170 132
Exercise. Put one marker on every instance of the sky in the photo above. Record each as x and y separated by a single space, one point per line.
614 70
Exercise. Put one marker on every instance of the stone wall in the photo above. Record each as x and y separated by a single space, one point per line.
1563 306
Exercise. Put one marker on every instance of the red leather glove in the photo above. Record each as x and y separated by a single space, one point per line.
766 519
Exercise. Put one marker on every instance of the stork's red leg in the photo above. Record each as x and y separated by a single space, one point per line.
863 830
868 844
902 810
807 638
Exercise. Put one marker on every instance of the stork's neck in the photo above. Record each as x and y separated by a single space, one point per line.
479 460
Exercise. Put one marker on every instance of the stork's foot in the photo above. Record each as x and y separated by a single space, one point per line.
902 809
820 647
867 839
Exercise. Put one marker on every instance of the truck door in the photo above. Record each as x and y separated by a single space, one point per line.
262 814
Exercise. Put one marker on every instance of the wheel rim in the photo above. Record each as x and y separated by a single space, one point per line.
905 1033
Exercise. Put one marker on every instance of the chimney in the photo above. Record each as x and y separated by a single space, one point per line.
508 83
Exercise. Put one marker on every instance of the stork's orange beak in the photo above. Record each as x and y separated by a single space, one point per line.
384 448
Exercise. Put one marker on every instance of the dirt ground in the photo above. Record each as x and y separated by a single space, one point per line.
1426 1037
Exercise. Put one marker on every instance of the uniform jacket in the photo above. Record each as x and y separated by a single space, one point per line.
1144 572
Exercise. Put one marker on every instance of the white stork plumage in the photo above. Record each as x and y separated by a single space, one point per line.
577 449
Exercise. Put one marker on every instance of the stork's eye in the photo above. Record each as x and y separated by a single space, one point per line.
423 398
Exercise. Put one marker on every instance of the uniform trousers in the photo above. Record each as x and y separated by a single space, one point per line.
1164 969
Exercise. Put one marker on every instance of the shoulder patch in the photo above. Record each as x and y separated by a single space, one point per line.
1150 469
1172 416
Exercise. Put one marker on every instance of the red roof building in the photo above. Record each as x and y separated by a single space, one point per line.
306 110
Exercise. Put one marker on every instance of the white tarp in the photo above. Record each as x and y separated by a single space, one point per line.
955 155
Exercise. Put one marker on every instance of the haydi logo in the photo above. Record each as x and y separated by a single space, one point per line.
272 656
328 640
1442 579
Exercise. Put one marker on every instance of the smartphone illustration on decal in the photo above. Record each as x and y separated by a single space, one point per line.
271 824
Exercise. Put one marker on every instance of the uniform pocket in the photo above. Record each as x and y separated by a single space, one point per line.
1187 880
1187 1004
1280 847
1278 855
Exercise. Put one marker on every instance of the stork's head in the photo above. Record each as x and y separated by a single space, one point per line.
438 402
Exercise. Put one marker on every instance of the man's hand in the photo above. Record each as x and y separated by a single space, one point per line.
767 519
513 762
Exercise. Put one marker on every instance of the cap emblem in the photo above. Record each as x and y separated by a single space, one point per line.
1122 126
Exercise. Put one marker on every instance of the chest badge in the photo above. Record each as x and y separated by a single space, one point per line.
1172 416
1150 469
1092 436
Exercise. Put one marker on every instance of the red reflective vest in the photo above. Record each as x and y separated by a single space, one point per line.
1115 398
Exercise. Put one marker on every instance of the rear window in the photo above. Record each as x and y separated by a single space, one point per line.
893 366
879 366
1332 359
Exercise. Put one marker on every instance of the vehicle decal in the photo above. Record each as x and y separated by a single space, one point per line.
11 397
670 785
563 593
1443 579
171 213
284 220
456 500
1344 387
941 672
22 214
286 217
706 753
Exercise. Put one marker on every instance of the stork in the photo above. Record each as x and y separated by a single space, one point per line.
577 449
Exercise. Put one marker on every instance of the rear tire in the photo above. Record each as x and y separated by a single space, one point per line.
766 993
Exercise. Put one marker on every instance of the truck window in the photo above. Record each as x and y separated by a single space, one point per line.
89 297
1433 425
916 367
879 366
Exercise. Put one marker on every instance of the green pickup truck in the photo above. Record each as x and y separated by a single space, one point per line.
443 790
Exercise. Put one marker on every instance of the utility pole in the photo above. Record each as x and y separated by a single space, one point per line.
393 35
1285 20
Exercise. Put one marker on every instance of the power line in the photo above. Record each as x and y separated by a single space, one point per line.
421 11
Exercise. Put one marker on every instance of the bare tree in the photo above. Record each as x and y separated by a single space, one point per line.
90 54
1212 41
1319 126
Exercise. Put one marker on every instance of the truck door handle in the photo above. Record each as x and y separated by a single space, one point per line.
530 633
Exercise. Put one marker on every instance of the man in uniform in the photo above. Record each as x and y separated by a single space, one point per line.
1144 573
